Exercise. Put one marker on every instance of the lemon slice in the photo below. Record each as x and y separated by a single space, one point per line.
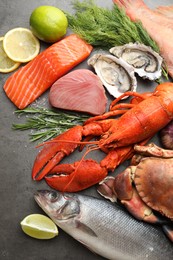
39 226
21 45
6 64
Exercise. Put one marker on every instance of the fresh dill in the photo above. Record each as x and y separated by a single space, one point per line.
47 123
105 28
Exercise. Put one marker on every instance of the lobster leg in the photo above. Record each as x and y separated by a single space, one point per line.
115 157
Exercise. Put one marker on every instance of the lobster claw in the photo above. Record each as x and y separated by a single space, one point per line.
52 153
75 177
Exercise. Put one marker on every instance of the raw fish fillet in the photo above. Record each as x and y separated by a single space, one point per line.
159 27
165 10
80 90
30 81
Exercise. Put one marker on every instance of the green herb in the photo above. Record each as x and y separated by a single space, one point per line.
105 28
47 123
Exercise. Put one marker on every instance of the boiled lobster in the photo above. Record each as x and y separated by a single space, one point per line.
140 120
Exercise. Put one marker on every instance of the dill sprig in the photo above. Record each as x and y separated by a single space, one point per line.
47 123
105 28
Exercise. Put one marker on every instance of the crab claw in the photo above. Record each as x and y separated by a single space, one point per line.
75 177
52 153
120 188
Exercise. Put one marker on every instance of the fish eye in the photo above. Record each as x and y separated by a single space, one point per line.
53 195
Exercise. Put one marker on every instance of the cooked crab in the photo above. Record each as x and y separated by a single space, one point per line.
146 186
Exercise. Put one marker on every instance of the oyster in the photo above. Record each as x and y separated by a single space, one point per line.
116 75
146 62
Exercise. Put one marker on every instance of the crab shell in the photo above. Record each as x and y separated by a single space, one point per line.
153 179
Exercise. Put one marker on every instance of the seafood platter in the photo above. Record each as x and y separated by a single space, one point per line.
86 133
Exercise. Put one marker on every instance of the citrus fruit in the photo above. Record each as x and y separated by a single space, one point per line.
21 45
48 23
39 226
6 64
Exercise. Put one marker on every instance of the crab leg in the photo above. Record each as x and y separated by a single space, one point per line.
153 150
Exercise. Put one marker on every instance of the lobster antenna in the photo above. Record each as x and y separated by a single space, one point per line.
67 141
90 148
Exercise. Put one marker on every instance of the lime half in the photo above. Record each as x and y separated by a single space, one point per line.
39 226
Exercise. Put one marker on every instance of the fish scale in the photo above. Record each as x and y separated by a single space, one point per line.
105 228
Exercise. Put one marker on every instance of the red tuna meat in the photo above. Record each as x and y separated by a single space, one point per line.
80 90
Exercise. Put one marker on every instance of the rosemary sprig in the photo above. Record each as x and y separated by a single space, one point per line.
47 123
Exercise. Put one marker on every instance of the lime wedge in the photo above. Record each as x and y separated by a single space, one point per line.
39 226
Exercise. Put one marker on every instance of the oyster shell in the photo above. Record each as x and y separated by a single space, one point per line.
146 62
116 75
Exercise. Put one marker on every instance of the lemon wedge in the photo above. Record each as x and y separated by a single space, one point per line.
21 45
39 226
6 64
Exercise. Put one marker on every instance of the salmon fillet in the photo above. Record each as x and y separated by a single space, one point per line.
158 26
31 80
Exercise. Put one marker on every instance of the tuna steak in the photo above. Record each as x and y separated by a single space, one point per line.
80 90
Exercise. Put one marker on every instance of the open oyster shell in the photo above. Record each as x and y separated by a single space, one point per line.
116 75
146 62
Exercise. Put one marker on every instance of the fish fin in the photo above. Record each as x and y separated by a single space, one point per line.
85 229
168 231
83 243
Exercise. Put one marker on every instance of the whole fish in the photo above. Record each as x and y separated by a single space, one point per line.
103 227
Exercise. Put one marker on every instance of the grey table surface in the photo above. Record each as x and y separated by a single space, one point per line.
17 155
